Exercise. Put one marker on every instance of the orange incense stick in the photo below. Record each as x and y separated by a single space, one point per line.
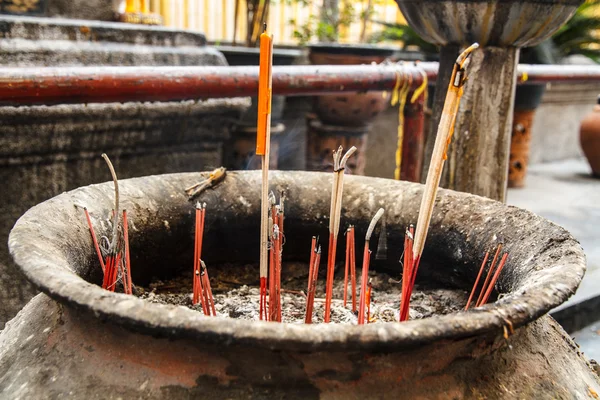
263 144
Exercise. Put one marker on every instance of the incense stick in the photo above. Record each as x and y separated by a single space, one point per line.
487 254
489 275
310 298
494 279
339 164
128 289
442 140
365 269
94 239
263 146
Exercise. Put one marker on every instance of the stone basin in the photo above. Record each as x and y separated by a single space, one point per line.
78 338
489 22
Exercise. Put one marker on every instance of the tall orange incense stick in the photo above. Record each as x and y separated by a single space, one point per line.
263 147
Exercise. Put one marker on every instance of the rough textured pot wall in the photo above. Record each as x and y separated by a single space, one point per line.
47 150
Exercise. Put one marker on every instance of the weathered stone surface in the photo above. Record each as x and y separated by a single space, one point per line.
52 351
30 41
104 10
47 150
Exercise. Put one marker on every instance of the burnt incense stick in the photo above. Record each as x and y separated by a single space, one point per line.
490 274
113 242
128 287
442 140
347 264
353 267
408 274
94 239
494 279
365 269
310 298
339 164
474 290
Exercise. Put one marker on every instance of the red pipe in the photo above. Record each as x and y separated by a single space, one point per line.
74 85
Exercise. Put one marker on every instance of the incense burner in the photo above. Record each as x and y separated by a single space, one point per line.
78 339
490 22
478 157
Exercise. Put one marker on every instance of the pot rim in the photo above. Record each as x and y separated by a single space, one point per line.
52 274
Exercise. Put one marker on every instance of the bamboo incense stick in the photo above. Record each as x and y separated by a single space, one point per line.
365 269
339 164
442 140
263 145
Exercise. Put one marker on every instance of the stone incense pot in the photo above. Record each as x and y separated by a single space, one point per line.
79 340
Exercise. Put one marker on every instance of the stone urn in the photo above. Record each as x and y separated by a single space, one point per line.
589 137
478 158
355 109
79 340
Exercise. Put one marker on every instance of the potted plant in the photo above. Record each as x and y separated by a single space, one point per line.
343 109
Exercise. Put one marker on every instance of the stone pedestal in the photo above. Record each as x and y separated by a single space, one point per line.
47 150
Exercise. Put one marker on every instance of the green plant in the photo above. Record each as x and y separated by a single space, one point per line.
580 35
404 34
335 15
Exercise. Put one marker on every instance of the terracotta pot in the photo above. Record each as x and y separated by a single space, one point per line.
589 136
87 342
356 109
241 147
519 147
323 139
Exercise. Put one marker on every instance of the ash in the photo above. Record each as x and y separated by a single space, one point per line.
242 301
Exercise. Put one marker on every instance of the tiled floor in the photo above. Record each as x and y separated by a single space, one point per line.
565 193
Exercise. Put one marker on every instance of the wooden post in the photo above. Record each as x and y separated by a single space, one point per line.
448 56
478 156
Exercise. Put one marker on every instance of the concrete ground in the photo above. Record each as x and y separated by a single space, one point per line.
565 193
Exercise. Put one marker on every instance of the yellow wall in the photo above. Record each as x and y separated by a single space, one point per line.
215 18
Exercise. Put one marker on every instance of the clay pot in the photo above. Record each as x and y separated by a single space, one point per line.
519 147
589 136
241 148
357 109
86 342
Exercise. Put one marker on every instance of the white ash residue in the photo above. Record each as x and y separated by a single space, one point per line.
243 302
